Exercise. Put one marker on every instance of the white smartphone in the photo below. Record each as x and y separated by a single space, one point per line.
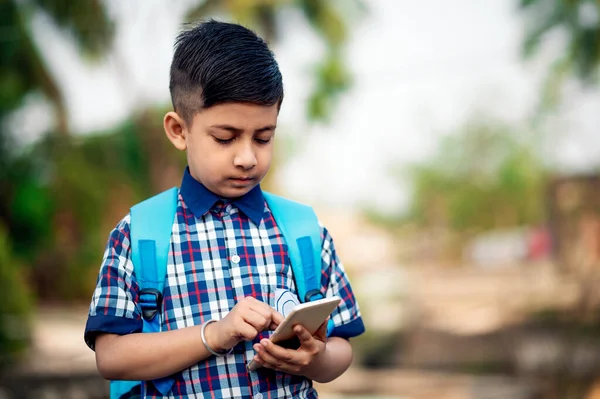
310 315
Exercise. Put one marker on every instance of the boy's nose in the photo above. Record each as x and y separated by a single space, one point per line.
245 158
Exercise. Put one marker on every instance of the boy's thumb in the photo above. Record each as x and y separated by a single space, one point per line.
302 333
322 331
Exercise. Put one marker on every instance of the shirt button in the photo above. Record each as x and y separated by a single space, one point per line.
235 259
258 396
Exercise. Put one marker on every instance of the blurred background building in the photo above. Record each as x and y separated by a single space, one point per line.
452 149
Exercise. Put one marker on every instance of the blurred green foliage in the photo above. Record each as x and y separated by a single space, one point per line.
15 305
73 191
28 206
482 177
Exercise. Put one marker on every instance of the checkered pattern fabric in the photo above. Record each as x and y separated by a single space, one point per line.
215 260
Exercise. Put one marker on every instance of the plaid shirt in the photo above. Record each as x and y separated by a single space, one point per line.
221 251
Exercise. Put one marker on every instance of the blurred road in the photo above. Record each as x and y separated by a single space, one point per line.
462 302
58 345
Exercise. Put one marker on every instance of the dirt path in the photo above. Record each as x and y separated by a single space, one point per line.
58 345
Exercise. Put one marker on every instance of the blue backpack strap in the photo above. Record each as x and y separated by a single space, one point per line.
150 235
301 230
151 226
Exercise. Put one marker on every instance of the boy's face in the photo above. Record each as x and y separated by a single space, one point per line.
229 146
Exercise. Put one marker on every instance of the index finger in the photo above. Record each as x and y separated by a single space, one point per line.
262 308
276 317
268 312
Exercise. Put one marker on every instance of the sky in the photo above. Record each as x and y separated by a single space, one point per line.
421 69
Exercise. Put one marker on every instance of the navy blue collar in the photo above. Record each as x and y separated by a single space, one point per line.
199 199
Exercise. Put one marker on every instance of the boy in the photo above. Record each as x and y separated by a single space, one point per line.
227 256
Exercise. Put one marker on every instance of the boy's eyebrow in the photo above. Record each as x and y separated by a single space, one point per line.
236 130
265 129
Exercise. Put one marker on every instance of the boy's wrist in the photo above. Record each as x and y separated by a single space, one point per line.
316 367
211 334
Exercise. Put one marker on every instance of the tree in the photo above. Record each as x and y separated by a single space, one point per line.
22 67
25 203
579 21
23 72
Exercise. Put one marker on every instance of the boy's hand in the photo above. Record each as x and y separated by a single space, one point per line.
299 361
245 321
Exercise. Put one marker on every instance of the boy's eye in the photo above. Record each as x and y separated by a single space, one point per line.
223 141
262 141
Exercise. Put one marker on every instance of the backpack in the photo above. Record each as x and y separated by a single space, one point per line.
150 235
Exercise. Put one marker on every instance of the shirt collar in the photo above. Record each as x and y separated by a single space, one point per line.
200 199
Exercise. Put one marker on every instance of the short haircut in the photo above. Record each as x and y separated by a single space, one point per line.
218 62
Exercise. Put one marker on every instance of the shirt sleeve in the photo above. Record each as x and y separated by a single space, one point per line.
346 317
113 308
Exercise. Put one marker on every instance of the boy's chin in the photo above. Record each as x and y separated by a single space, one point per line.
235 191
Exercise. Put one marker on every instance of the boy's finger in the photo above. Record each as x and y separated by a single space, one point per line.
256 320
268 312
262 308
247 332
279 353
273 326
276 317
266 358
302 334
322 331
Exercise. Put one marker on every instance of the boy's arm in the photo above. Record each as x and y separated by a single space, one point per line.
334 361
147 356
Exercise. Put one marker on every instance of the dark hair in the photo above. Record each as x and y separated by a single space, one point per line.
218 62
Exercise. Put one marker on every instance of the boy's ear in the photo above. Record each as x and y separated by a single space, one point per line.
175 130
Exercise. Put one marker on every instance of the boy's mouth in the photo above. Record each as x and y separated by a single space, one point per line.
241 180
